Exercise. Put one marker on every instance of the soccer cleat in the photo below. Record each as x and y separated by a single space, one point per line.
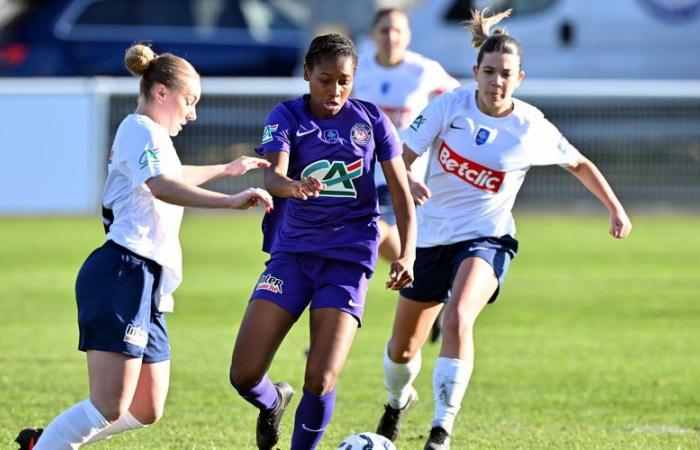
27 438
390 422
439 439
267 432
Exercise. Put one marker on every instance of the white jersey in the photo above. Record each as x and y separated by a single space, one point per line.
401 92
478 165
147 226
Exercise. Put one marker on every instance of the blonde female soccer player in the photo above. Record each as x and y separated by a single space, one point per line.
126 285
485 142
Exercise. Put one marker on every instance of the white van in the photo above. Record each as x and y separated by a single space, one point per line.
657 39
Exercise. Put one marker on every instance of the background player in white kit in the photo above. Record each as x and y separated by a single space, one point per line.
124 287
401 83
485 141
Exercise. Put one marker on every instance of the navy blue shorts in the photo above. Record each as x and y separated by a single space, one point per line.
116 292
436 267
386 208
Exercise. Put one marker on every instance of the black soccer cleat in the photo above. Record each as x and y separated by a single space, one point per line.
267 431
439 439
390 422
28 437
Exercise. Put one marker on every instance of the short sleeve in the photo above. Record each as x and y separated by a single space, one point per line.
388 144
442 81
420 135
279 127
551 147
144 155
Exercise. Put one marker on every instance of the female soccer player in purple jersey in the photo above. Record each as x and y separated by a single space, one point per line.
323 241
484 143
125 286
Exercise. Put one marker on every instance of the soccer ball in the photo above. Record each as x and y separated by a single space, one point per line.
366 441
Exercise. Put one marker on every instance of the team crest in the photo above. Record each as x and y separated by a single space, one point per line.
336 175
148 155
360 133
330 136
267 133
482 136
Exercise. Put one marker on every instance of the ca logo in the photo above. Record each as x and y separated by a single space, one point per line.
336 175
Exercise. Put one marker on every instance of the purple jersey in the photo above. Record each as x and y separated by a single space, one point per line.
341 152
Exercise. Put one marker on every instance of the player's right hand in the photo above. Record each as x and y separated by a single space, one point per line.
251 197
307 187
419 192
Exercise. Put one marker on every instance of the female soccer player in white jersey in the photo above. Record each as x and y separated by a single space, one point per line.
401 83
124 287
485 141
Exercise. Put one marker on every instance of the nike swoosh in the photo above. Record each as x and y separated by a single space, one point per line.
353 304
311 429
455 127
300 134
471 249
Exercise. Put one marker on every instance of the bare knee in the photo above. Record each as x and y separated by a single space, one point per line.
458 324
403 351
241 377
112 410
320 382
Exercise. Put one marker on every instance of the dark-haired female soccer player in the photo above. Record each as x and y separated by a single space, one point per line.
485 142
323 241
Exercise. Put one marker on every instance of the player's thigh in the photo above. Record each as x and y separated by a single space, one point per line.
113 379
332 334
412 324
151 392
472 288
263 328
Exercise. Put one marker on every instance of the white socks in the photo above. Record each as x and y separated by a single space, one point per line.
398 379
127 422
72 428
450 380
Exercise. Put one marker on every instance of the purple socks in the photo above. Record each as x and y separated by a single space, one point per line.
312 417
263 395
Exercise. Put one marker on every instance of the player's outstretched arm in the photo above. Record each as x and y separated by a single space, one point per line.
401 271
197 175
280 185
177 192
589 175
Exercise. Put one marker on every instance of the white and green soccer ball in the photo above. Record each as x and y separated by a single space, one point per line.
366 441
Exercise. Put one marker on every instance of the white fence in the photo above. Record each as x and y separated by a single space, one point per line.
55 134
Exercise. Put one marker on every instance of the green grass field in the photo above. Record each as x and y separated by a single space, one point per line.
593 343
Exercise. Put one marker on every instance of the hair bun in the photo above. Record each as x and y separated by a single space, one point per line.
138 58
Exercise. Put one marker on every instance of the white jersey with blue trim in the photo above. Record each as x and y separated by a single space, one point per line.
478 164
147 226
401 92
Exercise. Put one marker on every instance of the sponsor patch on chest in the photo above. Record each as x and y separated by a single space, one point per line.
478 176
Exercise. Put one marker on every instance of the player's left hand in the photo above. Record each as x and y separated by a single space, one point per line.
243 164
400 274
620 224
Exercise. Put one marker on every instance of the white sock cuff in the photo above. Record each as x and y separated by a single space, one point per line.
458 368
132 422
94 415
410 366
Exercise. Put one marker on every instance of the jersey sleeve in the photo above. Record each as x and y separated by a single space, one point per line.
145 154
420 135
277 133
388 144
551 147
442 81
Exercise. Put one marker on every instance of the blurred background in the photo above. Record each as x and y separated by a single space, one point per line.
620 79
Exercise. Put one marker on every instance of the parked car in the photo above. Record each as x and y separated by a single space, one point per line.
572 38
89 37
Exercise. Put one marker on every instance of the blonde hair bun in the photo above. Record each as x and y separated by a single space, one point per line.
480 26
138 59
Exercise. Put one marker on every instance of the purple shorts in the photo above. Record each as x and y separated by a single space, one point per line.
293 281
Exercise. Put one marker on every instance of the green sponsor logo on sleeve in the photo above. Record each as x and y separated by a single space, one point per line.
148 156
267 133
